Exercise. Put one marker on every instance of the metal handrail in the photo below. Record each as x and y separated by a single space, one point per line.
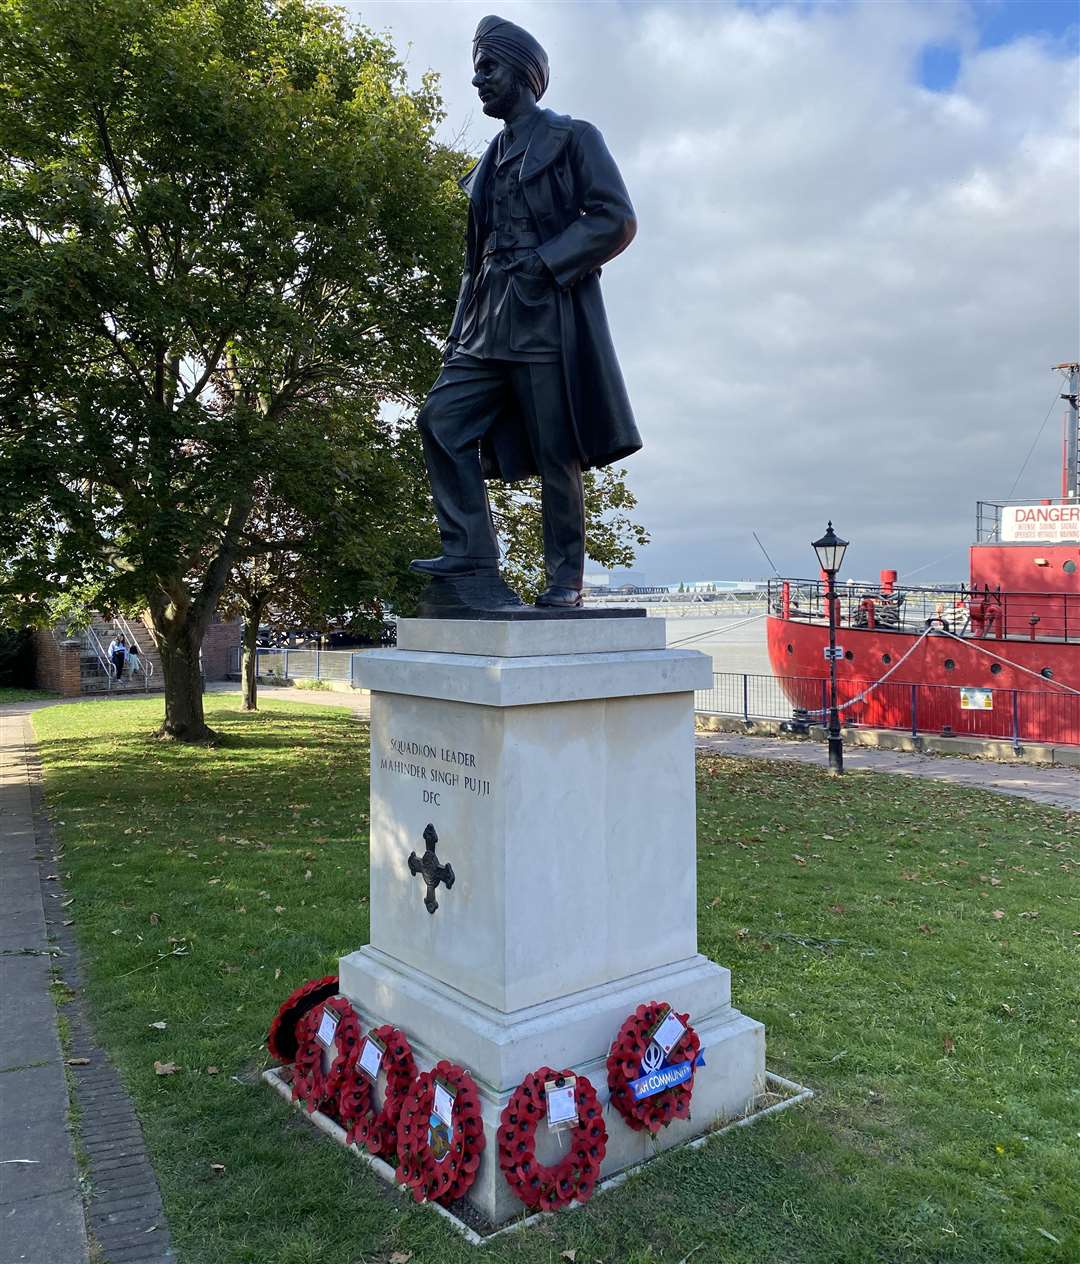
988 516
147 665
91 639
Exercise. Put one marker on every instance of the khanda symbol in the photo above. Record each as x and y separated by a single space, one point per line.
653 1058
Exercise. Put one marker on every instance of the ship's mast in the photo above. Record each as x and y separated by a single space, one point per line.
1070 474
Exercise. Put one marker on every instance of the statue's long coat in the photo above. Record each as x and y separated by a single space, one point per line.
584 218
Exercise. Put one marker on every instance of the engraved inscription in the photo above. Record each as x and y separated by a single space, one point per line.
439 767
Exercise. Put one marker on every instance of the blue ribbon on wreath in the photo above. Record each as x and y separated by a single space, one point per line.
663 1078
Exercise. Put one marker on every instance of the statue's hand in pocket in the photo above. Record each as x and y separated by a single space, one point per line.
532 265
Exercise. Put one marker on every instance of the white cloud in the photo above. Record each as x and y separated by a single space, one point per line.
846 291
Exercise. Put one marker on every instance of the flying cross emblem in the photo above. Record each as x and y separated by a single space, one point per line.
429 868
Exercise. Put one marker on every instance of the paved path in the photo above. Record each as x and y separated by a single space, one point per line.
43 1216
41 1209
1058 787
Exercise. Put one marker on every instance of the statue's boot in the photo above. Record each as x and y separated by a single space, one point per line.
559 598
446 566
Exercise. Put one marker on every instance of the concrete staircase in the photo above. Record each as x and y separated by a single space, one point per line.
95 675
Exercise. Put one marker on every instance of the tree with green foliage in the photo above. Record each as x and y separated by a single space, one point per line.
612 537
346 566
224 221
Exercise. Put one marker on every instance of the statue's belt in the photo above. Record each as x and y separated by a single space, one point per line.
509 241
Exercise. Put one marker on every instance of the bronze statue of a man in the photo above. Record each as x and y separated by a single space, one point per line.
530 383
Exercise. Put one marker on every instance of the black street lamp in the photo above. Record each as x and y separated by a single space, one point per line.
830 551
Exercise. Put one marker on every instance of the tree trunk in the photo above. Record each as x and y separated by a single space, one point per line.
251 656
179 644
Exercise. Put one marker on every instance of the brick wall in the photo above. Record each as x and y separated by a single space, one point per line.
217 647
56 663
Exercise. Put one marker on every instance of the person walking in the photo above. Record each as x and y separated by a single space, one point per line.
134 658
117 653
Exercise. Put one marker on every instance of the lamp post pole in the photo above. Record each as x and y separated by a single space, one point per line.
836 742
830 550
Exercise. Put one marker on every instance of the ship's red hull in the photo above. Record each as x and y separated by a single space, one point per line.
923 692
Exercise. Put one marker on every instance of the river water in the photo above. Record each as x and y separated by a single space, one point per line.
734 644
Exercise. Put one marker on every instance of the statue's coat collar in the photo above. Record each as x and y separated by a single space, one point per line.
550 135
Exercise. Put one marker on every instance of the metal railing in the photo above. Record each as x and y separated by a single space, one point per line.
92 643
1016 715
302 664
967 611
988 516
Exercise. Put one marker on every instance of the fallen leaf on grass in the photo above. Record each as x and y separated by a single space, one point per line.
1008 1009
160 1025
1047 1234
716 901
279 908
165 1068
569 1255
211 1070
838 909
995 882
154 919
799 860
949 1046
277 972
998 914
307 875
78 1061
743 932
1032 913
217 1168
925 929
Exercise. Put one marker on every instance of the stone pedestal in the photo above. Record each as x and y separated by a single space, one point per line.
555 762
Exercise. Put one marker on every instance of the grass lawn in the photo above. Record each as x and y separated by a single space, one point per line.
911 948
8 693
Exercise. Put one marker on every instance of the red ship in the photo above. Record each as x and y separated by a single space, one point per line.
997 657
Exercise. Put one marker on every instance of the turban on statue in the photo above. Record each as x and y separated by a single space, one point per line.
513 44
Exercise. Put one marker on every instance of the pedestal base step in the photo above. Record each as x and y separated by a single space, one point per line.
778 1094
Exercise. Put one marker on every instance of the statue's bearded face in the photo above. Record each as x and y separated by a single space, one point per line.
497 84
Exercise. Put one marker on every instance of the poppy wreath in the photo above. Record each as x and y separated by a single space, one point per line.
311 1084
377 1130
624 1065
575 1176
427 1177
281 1040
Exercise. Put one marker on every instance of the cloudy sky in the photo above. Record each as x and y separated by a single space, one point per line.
858 256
